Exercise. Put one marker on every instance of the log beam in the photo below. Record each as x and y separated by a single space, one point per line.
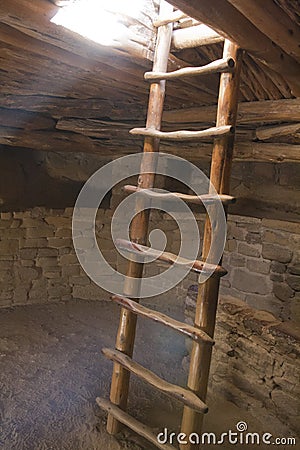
264 133
286 110
271 20
195 37
230 23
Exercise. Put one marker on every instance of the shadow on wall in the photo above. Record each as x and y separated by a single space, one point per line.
30 179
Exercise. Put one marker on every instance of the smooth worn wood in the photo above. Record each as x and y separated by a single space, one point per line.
183 135
174 17
184 395
206 199
196 36
188 330
271 20
207 300
269 111
264 133
133 424
139 225
230 23
218 66
170 258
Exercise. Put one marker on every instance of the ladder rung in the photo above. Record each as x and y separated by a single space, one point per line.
206 199
186 396
195 266
220 65
183 134
174 17
132 423
188 330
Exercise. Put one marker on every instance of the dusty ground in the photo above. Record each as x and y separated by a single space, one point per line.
52 370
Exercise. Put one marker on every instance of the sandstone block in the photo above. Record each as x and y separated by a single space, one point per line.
9 247
275 237
73 269
12 233
70 258
16 223
276 252
277 277
258 266
235 232
249 250
277 267
294 269
6 215
27 263
63 232
46 262
283 291
40 232
5 224
59 222
44 252
34 243
28 253
60 242
253 238
58 291
27 273
294 282
246 281
237 260
231 245
285 402
82 280
29 222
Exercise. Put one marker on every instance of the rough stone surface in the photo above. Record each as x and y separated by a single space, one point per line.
262 257
255 362
277 253
247 281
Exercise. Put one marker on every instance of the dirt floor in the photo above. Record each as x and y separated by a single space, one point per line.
52 370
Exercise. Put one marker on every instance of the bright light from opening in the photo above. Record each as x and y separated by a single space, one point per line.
98 19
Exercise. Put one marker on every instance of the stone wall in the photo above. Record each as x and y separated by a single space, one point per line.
255 363
38 261
262 257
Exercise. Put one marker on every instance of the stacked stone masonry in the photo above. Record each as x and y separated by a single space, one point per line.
38 263
255 363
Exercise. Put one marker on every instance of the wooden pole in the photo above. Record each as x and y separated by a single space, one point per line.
172 390
195 37
139 227
208 292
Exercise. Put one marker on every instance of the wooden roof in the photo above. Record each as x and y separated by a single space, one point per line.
62 92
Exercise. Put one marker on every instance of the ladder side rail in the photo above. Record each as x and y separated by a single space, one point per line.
139 228
207 300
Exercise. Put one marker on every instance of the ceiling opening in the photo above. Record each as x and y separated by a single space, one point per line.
98 20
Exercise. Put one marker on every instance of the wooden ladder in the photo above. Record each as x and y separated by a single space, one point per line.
193 397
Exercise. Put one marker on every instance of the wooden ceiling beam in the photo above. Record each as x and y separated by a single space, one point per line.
286 110
230 23
271 20
63 141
